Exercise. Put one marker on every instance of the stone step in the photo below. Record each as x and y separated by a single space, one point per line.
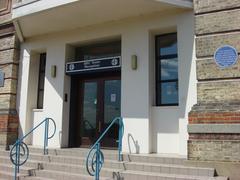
70 163
65 176
66 153
36 160
76 169
81 153
57 161
35 178
10 175
10 169
154 158
139 175
169 169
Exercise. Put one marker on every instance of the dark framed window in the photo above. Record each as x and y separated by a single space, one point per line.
98 50
41 79
166 70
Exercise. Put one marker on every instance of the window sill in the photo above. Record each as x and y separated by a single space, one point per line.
166 107
37 110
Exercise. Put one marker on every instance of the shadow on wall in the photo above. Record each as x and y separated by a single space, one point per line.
169 124
133 145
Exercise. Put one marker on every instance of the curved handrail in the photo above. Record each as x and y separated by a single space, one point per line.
20 149
97 158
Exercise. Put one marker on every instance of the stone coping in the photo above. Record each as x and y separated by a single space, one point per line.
214 128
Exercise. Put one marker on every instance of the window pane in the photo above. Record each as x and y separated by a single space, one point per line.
89 109
41 78
40 99
112 97
100 50
41 81
42 62
169 69
169 93
167 45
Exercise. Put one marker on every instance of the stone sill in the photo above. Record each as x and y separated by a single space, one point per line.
37 110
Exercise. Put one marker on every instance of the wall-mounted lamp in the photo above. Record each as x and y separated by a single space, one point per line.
134 62
53 71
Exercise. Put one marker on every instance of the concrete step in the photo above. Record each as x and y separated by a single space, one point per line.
23 170
35 178
35 160
169 169
65 176
76 169
79 163
110 155
81 153
140 175
154 158
10 175
70 163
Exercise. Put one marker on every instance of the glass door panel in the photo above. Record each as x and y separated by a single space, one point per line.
90 91
112 109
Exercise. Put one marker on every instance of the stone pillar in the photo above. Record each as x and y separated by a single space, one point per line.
9 54
214 122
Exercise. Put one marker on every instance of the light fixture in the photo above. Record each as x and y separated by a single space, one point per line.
53 71
134 62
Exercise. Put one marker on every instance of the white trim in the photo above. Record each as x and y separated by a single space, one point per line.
18 30
180 3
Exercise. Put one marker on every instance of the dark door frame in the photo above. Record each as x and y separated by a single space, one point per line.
76 104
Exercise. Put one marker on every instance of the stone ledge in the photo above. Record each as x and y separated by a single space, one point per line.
214 128
207 45
223 107
217 22
207 69
218 91
204 6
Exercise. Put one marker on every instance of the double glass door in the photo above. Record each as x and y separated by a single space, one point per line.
100 104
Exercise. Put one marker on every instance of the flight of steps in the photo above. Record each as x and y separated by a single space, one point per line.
69 164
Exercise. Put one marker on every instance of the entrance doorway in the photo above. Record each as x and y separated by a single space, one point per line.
97 103
95 94
100 104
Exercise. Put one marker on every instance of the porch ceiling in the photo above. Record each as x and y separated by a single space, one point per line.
86 12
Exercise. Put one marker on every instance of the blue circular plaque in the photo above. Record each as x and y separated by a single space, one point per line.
226 56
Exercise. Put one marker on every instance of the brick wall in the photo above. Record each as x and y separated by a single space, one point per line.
217 23
9 56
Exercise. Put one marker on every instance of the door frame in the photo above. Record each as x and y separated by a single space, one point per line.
76 114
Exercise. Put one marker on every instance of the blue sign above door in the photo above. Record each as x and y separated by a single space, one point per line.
94 65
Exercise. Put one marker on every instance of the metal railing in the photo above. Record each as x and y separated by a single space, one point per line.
95 157
19 152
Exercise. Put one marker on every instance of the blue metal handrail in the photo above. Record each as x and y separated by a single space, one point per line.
95 157
20 149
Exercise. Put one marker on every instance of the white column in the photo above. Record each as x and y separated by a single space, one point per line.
54 90
135 90
23 79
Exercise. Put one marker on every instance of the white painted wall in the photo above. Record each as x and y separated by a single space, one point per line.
169 130
147 125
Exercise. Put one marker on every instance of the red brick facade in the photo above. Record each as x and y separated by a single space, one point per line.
214 117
